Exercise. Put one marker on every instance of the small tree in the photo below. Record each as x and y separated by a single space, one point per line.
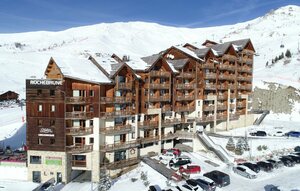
246 145
276 59
239 150
230 144
288 53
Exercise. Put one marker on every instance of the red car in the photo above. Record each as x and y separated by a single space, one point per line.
190 169
175 151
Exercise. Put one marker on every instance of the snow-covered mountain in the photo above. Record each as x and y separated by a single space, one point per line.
24 55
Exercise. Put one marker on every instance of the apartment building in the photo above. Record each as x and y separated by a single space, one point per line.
104 112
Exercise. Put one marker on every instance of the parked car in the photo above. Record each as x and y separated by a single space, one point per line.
293 134
297 149
244 171
265 166
190 169
295 158
278 134
175 151
154 188
192 186
166 157
259 133
251 166
220 178
176 163
205 183
276 163
287 161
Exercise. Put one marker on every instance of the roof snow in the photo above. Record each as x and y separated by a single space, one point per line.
81 68
188 51
178 64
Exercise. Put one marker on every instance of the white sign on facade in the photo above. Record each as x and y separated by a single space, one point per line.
46 82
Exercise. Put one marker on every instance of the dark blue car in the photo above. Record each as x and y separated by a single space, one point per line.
293 134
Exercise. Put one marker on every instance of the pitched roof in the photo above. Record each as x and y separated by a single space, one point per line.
202 52
178 64
81 69
241 43
151 59
221 48
109 64
188 52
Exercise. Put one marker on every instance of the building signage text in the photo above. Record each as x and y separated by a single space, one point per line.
46 82
46 132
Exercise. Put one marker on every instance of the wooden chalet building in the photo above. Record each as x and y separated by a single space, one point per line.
105 112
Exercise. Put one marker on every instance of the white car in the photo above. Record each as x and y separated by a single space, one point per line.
165 158
245 172
188 187
278 134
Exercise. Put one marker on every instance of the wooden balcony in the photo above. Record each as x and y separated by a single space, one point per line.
117 99
119 146
78 115
122 163
208 66
249 61
221 117
159 98
227 67
232 106
174 121
206 119
158 86
124 86
150 139
246 60
245 78
77 100
221 107
185 98
245 87
116 129
223 87
148 124
184 108
210 76
78 148
78 163
169 136
186 75
117 113
160 74
245 69
208 107
210 87
78 131
185 86
222 96
241 105
233 116
226 77
231 86
229 57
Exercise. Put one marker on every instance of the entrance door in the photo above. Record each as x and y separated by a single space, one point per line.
36 176
58 177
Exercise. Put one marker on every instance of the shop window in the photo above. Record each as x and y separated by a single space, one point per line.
35 159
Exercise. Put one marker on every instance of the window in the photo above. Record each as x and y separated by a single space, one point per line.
35 159
91 109
199 103
91 140
52 92
52 141
39 92
40 141
133 135
40 122
133 119
92 93
52 108
40 108
91 123
36 176
52 122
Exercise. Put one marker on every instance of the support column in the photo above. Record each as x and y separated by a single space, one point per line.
215 114
228 110
95 155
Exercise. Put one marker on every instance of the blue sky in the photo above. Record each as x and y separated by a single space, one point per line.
55 15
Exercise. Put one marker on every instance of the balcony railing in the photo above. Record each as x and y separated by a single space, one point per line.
231 86
226 77
78 163
186 75
77 100
221 107
185 86
208 66
208 107
210 76
150 139
160 74
245 87
233 116
241 104
158 86
124 85
119 146
169 136
223 87
245 69
185 98
226 67
78 115
229 57
122 163
78 148
117 99
221 117
206 118
79 130
223 96
184 108
210 86
159 98
116 129
244 78
117 113
148 124
174 121
166 108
